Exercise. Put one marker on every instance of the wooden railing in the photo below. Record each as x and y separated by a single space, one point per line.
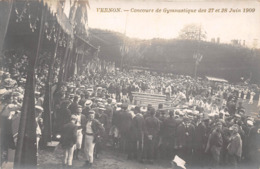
149 98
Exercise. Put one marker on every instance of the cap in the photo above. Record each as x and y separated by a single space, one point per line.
102 108
219 124
237 115
79 106
91 112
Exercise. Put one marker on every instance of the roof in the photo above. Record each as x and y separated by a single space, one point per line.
216 79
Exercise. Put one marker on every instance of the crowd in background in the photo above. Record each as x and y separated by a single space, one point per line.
207 123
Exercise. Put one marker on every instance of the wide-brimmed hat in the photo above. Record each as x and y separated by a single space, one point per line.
88 103
8 82
250 122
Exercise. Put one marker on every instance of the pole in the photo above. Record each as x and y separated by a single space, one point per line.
124 48
47 117
195 73
25 154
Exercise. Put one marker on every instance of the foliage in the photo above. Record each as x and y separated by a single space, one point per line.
176 56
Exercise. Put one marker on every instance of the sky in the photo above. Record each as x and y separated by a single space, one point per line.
226 26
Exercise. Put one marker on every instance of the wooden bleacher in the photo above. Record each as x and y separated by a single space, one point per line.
153 99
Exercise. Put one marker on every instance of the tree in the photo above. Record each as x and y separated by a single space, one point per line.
192 32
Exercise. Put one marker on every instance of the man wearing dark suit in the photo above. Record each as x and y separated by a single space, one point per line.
74 105
63 116
138 127
201 138
124 126
68 140
184 139
168 135
152 127
102 118
109 113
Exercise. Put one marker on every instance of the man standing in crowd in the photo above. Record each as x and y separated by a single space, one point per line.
252 95
138 128
168 135
152 128
254 144
201 137
214 145
184 136
68 141
74 105
39 121
234 147
124 126
87 108
81 121
109 113
92 131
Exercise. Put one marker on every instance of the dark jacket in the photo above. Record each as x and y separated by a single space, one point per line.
109 113
216 139
83 120
63 117
138 126
73 107
185 135
152 126
85 111
68 135
125 121
201 136
103 119
97 128
169 126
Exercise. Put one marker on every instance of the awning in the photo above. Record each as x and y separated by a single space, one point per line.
216 79
56 9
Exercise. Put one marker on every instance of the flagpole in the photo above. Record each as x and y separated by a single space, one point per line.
47 120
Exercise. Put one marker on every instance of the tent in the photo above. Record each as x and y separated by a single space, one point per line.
214 79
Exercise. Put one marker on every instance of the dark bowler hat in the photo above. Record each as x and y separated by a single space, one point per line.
152 111
124 105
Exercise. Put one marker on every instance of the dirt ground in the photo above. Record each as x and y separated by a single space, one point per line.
49 159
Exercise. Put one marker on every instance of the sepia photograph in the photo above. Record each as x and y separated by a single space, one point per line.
130 84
